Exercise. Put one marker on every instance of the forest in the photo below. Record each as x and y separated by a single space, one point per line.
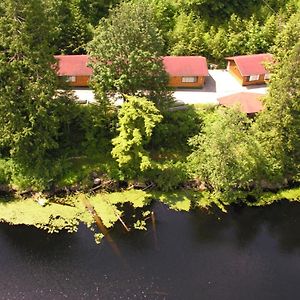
49 143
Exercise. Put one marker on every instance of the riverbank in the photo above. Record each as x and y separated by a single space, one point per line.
56 214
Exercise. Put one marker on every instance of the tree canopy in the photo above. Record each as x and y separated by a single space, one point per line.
71 29
30 106
226 155
126 54
278 126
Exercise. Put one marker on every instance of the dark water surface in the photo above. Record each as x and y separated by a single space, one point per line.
249 253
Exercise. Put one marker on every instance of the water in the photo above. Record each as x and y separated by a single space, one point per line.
249 253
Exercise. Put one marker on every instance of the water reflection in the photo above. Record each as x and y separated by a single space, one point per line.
249 253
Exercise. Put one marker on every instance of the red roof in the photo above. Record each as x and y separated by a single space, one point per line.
251 64
185 65
73 65
248 102
76 65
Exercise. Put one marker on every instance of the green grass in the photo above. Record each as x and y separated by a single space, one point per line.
80 168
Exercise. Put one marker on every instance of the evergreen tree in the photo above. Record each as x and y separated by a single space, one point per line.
72 31
278 126
30 108
137 118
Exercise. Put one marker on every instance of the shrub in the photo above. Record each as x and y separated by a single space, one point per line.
175 129
169 176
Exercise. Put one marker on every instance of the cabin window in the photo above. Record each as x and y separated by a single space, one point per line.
189 79
267 76
70 78
253 77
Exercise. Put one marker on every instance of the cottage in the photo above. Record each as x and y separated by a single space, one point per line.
186 71
74 68
249 69
248 103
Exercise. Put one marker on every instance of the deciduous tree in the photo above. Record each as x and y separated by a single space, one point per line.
126 55
226 155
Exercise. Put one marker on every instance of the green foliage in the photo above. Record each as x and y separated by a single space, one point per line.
288 36
71 31
193 35
46 138
217 45
137 118
85 131
268 198
33 112
4 172
94 10
165 15
126 55
168 176
175 129
188 36
242 36
28 108
278 126
218 11
226 156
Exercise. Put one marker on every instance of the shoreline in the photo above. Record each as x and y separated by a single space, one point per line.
53 215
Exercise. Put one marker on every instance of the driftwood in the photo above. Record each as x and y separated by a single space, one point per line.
117 215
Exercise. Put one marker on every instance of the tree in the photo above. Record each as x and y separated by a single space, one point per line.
94 10
165 15
137 118
226 155
188 36
241 36
278 126
220 11
71 28
217 45
30 106
126 55
287 36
